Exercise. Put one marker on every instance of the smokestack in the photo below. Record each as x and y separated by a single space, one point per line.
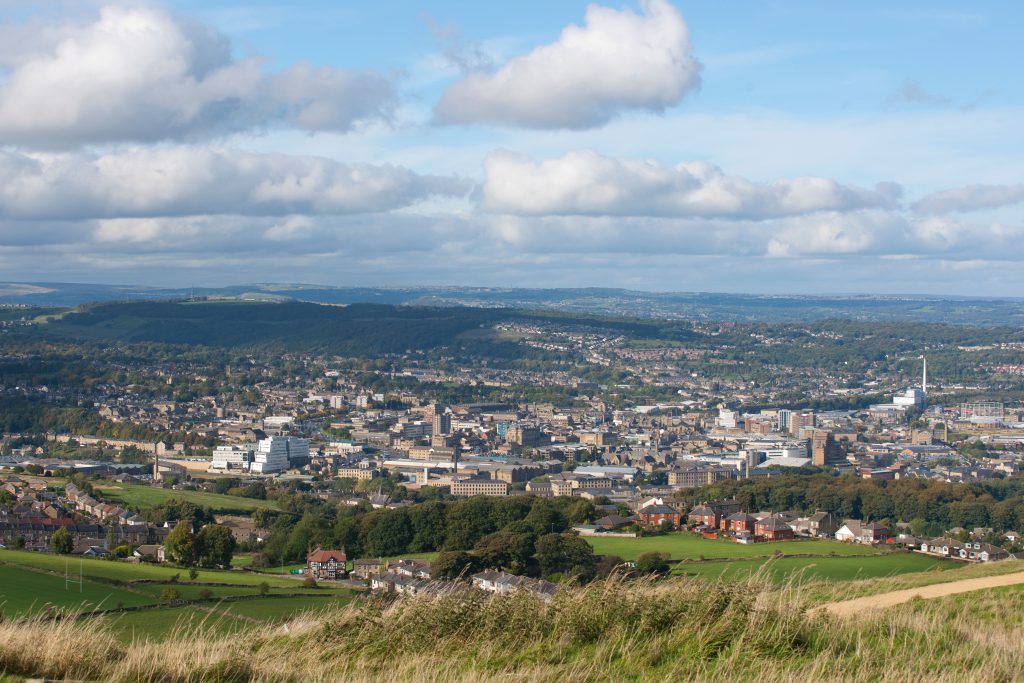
924 375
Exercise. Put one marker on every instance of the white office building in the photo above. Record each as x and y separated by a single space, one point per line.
727 419
275 454
232 457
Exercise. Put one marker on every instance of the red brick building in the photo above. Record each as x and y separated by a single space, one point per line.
739 521
773 529
653 515
703 515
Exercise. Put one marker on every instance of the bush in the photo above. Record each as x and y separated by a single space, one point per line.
170 594
309 582
263 588
206 594
652 563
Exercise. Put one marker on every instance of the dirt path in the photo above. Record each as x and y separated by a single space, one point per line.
856 606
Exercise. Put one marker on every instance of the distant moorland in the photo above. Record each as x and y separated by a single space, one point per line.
601 301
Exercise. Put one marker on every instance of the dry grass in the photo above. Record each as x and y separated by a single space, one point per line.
680 630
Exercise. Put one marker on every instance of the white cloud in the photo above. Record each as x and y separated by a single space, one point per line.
835 233
185 180
586 183
618 61
972 198
140 74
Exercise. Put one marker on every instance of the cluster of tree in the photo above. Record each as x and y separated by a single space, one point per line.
553 555
425 527
232 487
178 509
213 546
998 503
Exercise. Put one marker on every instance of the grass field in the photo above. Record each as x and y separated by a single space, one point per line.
814 568
124 571
941 573
212 619
143 497
682 546
641 631
157 624
24 592
279 609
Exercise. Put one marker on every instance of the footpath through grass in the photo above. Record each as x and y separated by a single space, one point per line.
145 497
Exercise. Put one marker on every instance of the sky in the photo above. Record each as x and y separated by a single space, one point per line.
764 147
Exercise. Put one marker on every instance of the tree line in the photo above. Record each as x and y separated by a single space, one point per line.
942 505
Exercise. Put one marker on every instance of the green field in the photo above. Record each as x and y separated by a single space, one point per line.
106 570
279 609
687 546
144 497
23 592
814 568
157 624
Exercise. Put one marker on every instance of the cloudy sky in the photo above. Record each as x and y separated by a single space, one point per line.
788 147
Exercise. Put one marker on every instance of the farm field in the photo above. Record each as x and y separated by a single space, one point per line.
686 546
815 568
279 609
24 592
125 571
143 497
211 619
160 623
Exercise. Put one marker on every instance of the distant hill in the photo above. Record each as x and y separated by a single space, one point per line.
296 326
356 330
595 301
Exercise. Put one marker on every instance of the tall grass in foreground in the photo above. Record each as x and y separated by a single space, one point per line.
680 630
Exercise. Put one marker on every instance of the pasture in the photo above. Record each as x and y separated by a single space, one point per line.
110 571
687 546
145 497
212 618
799 569
24 592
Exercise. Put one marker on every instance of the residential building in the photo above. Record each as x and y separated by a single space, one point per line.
326 565
773 529
654 515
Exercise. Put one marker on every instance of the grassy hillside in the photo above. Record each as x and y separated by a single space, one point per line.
688 546
144 497
680 630
785 569
112 572
23 591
